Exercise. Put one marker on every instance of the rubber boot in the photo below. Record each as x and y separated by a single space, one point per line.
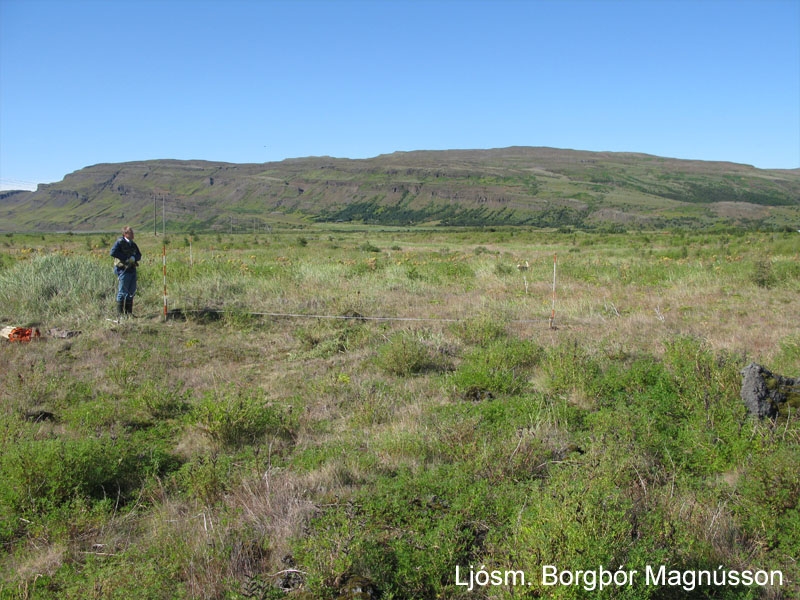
129 306
120 308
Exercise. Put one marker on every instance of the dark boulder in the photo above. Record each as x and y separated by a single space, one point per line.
763 391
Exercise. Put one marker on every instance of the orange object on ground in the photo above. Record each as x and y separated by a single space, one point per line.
20 334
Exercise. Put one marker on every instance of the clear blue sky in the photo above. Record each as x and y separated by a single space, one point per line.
89 81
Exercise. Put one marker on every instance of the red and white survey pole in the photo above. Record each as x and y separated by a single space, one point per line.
164 261
553 311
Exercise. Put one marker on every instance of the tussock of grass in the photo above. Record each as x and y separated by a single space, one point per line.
56 286
408 353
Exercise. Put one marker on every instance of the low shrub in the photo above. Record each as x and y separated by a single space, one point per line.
369 247
480 331
570 367
768 500
323 339
407 353
163 402
40 476
238 417
504 270
501 368
206 477
406 533
762 273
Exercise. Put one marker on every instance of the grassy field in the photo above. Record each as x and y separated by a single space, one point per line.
343 412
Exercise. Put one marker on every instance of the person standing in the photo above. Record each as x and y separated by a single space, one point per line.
126 258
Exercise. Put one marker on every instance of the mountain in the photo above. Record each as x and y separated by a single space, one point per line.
541 187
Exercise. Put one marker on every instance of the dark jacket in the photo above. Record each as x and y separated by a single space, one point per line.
122 250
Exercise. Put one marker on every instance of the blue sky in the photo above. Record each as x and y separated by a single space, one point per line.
89 81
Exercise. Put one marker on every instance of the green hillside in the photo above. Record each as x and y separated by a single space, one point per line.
540 187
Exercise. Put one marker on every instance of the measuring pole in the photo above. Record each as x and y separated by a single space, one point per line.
164 260
553 311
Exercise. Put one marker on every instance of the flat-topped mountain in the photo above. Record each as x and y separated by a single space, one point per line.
540 187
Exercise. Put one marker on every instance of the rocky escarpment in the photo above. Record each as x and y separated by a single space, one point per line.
540 187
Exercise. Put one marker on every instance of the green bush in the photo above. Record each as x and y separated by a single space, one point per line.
206 478
40 476
163 401
501 368
768 499
323 339
237 417
480 331
406 353
577 521
762 273
369 247
503 269
406 533
571 367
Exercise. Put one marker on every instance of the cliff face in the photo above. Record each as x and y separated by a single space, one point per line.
521 186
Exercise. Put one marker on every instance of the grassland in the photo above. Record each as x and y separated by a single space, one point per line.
344 412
